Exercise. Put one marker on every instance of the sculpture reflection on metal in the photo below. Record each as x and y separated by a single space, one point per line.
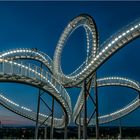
55 82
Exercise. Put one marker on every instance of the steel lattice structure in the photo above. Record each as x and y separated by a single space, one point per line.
55 82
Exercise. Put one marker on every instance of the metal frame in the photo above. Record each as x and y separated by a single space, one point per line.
38 108
96 105
28 74
79 126
51 115
89 66
65 128
86 121
85 111
52 119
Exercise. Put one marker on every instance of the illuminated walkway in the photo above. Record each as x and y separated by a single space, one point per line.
53 81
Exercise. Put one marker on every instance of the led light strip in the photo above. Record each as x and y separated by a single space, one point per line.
111 81
58 91
27 53
26 112
96 59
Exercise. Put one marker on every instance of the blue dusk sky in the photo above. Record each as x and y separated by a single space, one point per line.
40 24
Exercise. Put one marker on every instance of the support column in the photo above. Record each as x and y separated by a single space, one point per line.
96 107
79 127
37 117
51 128
85 113
38 109
65 129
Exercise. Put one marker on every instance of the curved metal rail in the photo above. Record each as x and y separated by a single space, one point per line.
89 25
111 81
28 113
33 75
27 53
28 74
112 45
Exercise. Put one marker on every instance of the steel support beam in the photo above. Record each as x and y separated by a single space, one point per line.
38 109
87 87
85 112
65 129
37 116
52 119
96 106
79 127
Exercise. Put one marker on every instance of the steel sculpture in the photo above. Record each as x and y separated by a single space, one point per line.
54 81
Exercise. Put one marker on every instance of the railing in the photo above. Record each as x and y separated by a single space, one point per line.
119 32
28 52
109 42
36 73
110 46
108 81
120 113
28 113
88 24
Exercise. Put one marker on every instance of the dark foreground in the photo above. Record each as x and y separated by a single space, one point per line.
105 132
